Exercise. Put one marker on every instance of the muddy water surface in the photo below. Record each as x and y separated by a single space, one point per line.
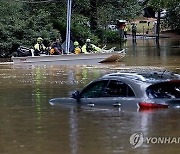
29 125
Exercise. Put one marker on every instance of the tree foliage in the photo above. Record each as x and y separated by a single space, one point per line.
22 21
22 25
172 19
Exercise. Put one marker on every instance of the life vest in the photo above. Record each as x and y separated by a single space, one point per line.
77 50
52 51
89 47
125 29
39 47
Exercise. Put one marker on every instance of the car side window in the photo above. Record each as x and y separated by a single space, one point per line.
117 88
94 90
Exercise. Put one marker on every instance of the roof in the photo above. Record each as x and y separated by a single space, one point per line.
146 76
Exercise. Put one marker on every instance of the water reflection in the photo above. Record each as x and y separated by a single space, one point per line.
73 134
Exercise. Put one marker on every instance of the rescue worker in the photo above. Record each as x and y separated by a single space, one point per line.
39 47
77 48
134 29
88 47
125 32
56 48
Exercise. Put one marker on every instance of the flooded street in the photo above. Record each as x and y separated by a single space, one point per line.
30 125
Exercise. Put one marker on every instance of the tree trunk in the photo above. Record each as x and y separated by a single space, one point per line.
93 15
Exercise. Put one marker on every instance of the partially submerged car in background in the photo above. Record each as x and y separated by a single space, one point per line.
160 89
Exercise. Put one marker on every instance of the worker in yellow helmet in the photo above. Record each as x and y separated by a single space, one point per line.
77 48
39 47
88 47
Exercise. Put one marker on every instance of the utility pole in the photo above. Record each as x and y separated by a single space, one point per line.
68 26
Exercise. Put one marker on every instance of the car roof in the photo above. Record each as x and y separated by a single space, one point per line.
145 76
139 81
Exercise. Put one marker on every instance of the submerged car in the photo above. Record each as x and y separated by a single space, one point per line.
128 90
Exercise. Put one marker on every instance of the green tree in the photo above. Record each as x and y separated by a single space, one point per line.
23 21
11 25
111 10
21 25
172 19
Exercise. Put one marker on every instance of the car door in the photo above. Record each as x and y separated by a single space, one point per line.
107 94
92 95
120 95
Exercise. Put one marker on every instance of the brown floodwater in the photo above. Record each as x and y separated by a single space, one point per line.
29 125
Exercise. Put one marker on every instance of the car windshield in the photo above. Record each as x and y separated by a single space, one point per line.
170 89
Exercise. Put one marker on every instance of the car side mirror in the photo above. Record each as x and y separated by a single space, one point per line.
75 94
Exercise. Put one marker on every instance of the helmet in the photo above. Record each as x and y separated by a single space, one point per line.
76 43
88 40
39 39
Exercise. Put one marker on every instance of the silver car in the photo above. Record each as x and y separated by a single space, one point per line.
128 90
